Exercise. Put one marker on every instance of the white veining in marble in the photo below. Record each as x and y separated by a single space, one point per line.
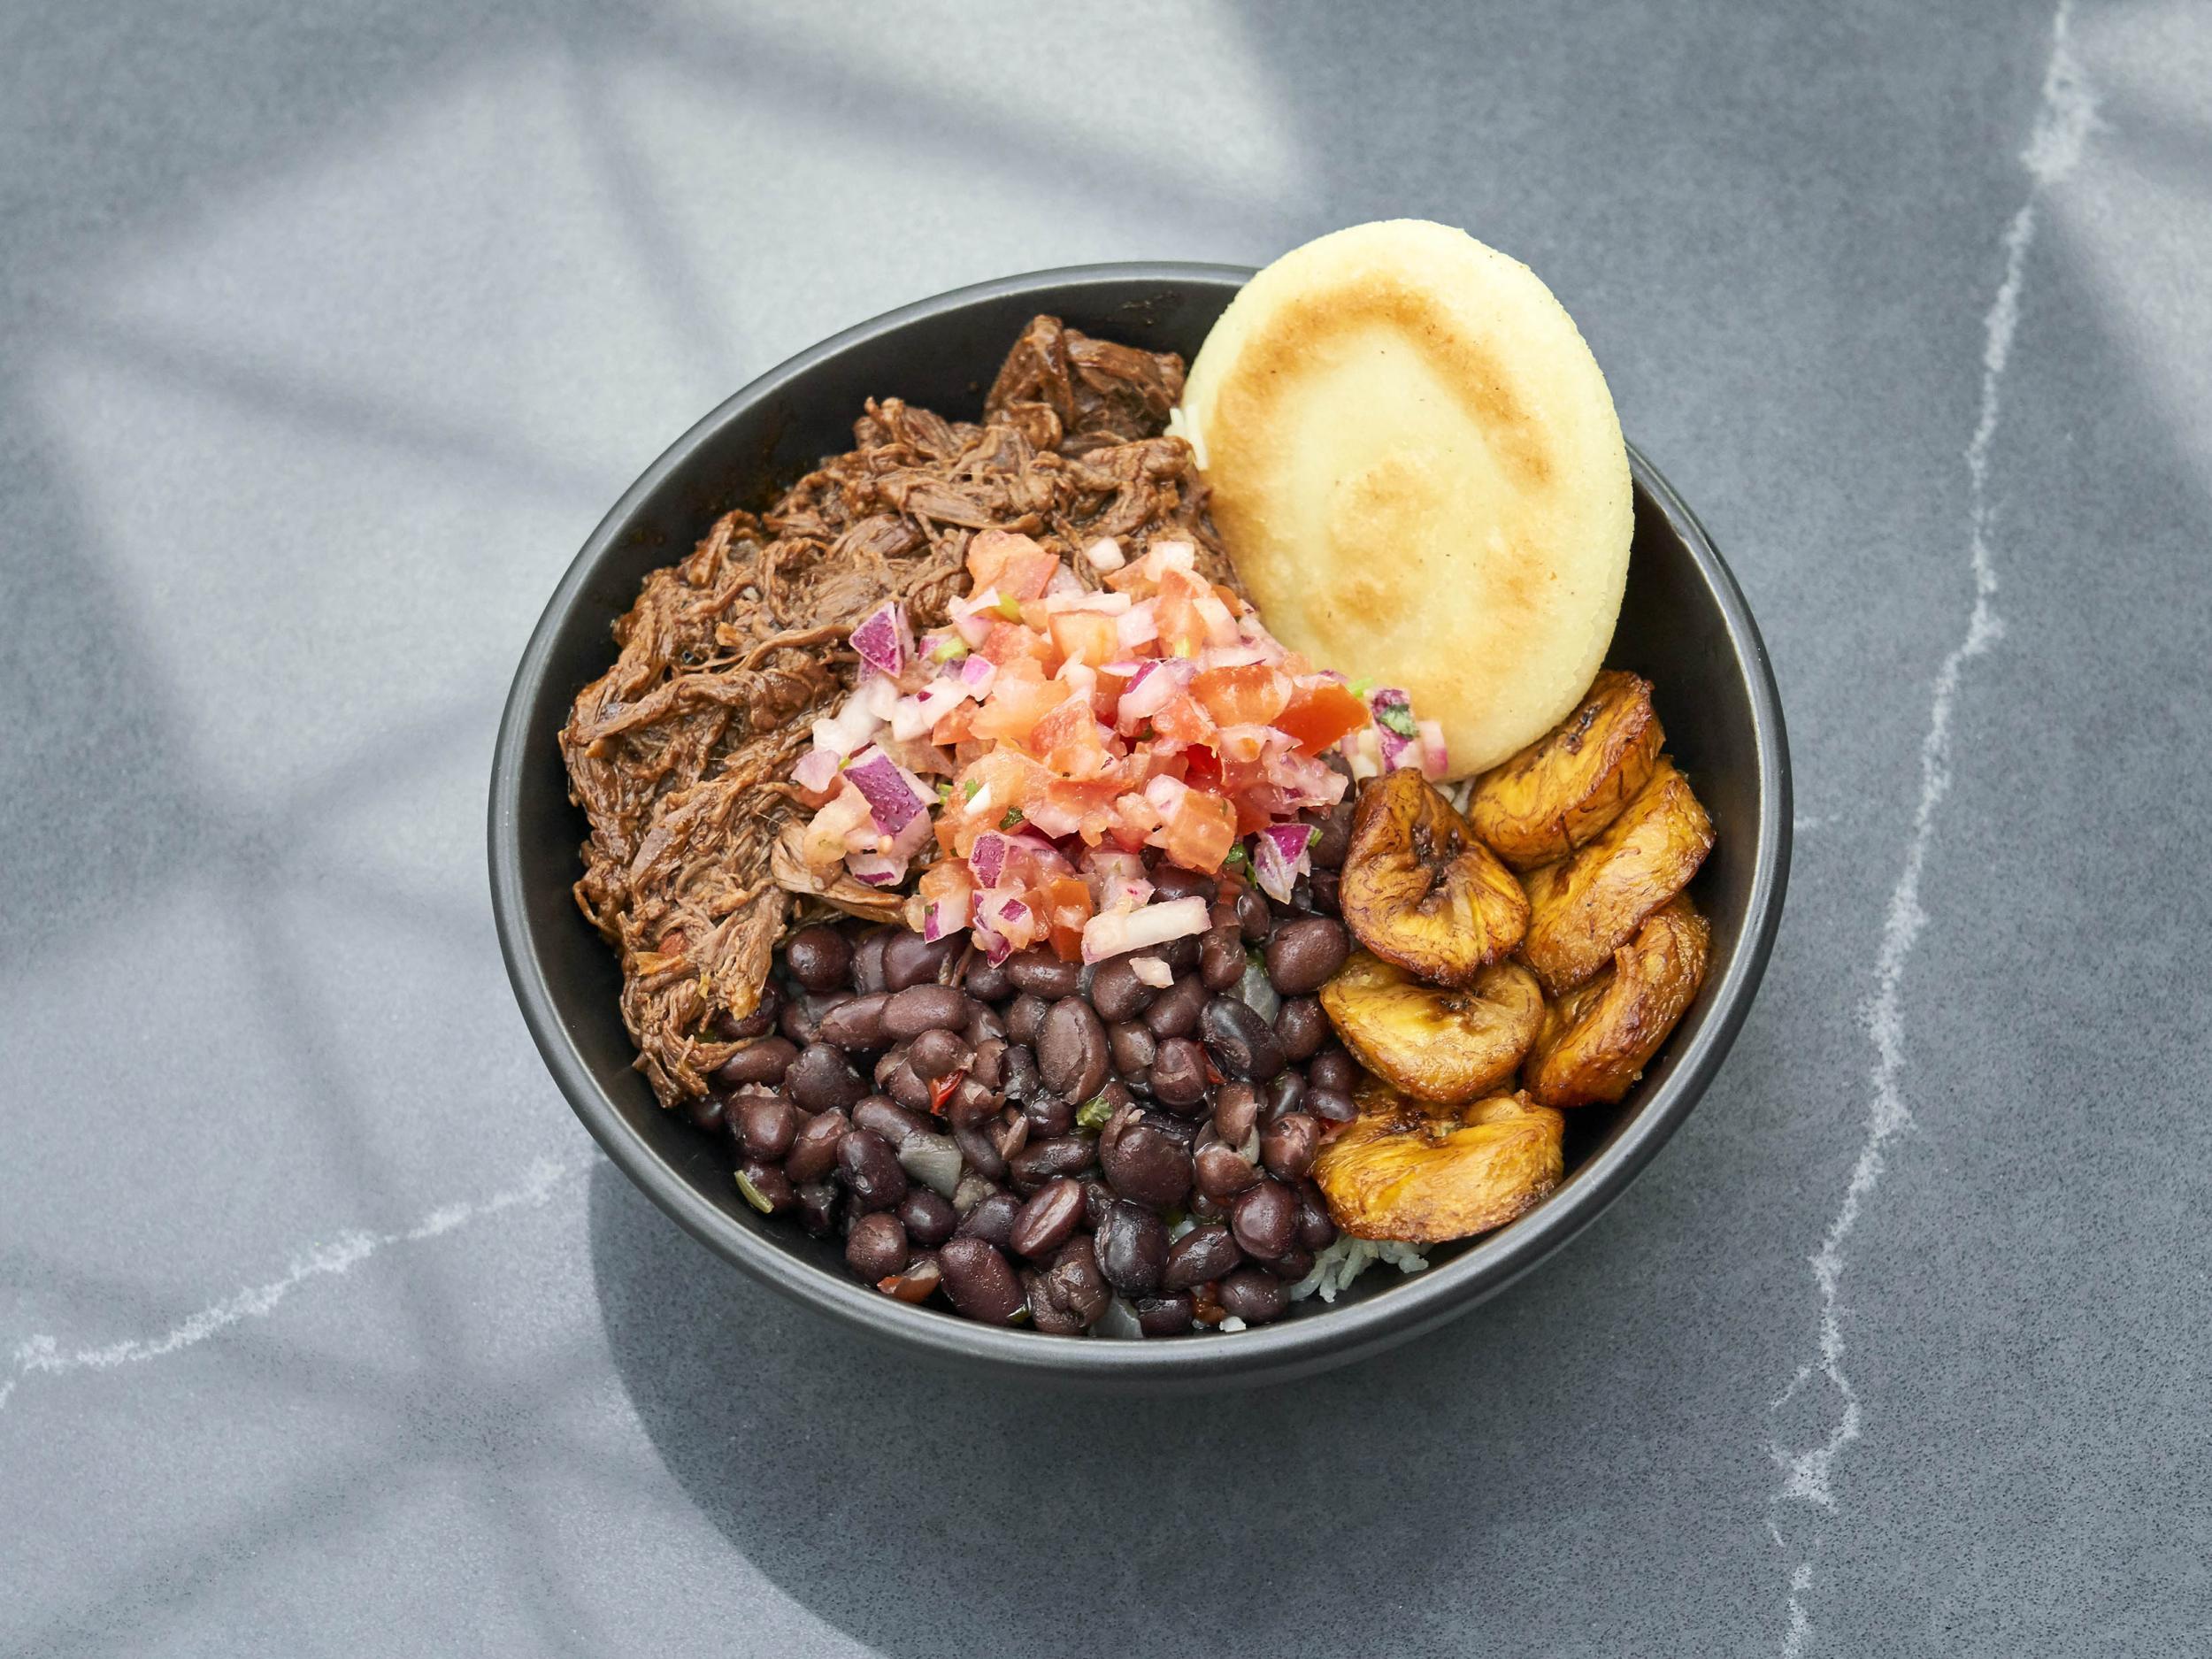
2065 117
43 1356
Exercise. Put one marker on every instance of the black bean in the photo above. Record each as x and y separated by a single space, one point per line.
1049 1114
921 1008
908 959
1199 1256
909 1088
814 1148
1301 1028
1315 1230
1285 1094
1011 1134
727 1028
1293 1264
1242 1044
1265 1219
764 1127
819 1079
1071 1049
1054 1318
1164 1315
981 1152
984 1026
1221 958
1174 1012
918 1280
1331 1068
1328 847
1116 991
971 1102
1303 955
819 1205
771 1188
1253 1295
987 1063
1131 1046
1203 1209
938 1053
800 1020
895 1123
1020 1079
1287 1146
1326 887
1098 1198
1236 1112
980 1282
1330 1105
870 1169
1178 1074
1255 921
1181 1130
992 1220
928 1217
1040 1161
1075 1283
764 1060
876 1247
1038 972
868 959
988 982
1132 1249
705 1111
856 1023
1221 1171
1180 955
1049 1218
1172 881
1142 1165
1023 1014
820 958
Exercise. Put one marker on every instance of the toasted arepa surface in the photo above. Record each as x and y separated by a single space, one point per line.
1415 466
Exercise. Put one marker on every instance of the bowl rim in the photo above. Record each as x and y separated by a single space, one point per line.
1335 1336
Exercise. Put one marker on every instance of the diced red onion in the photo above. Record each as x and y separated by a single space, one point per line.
817 769
1166 794
878 870
1125 931
894 794
1221 628
919 833
1105 554
1153 690
913 716
986 859
1063 582
971 617
1233 655
1279 857
850 728
1105 601
878 695
1152 972
976 675
883 639
1140 624
824 844
945 917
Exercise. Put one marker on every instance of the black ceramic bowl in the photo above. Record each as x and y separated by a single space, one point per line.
1683 626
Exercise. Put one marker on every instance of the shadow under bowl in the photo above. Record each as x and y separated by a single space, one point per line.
1684 626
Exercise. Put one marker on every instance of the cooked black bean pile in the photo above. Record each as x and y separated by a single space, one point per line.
1027 1138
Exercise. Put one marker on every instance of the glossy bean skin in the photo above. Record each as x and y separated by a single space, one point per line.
992 1220
1331 1068
876 1247
1328 891
928 1007
1178 1074
927 1217
1335 839
1053 1318
856 1023
1023 1014
979 1281
868 975
1049 1116
1264 1219
764 1127
1143 1166
727 1028
894 1122
1330 1106
1049 1220
1133 1048
813 1152
763 1061
1255 921
871 1170
820 1204
937 1053
1072 1053
1289 1145
911 960
1293 1264
1301 1028
1172 881
1174 1012
980 1149
819 1079
1253 1295
1242 1043
1042 1160
705 1111
988 983
819 957
1117 992
773 1186
1132 1245
1073 1282
1315 1230
1222 1172
908 1088
1221 957
1237 1106
1164 1316
1303 955
1038 972
1200 1255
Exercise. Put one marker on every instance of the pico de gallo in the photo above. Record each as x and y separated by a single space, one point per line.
1029 758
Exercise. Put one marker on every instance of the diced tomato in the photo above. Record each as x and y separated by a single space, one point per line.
1200 833
1227 595
947 878
1010 643
1251 694
1182 721
1064 904
1009 562
1017 705
1319 712
1084 636
1183 631
1201 770
955 726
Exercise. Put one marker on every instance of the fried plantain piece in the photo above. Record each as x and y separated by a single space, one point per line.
1396 1173
1419 890
1557 794
1586 906
1439 1043
1595 1043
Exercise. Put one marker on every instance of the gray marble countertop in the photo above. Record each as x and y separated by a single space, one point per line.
327 334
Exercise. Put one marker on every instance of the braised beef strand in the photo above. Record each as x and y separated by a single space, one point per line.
680 754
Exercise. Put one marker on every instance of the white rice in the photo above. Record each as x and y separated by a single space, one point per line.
1349 1257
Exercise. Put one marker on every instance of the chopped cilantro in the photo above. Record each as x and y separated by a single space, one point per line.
944 792
1360 687
1238 860
1094 1112
1012 819
1399 719
974 786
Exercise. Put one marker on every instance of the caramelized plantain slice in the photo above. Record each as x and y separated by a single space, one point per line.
1562 790
1595 1042
1396 1173
1419 890
1586 906
1440 1043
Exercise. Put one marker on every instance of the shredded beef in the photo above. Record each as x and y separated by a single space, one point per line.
680 754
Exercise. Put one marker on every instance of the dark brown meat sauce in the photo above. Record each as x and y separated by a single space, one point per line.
679 754
1040 1143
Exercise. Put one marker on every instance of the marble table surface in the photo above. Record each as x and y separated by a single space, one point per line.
327 334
